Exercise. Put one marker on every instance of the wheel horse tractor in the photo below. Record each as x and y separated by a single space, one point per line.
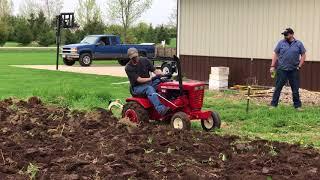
185 100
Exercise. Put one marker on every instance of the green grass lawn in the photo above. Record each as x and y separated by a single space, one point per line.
15 44
82 91
11 44
281 124
36 57
62 88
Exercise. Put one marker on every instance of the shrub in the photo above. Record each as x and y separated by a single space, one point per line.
23 32
47 38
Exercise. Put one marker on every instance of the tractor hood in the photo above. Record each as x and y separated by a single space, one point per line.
186 85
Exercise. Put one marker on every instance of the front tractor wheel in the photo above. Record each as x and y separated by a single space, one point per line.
213 122
68 62
180 121
135 113
85 59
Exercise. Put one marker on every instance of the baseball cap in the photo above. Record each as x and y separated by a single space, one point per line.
288 31
132 53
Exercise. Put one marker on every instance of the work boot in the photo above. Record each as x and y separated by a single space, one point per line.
299 109
272 107
166 111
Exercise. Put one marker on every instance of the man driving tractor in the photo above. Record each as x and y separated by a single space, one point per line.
138 72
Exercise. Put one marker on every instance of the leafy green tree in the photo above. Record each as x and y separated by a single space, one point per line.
70 37
41 25
23 32
162 34
140 32
12 22
172 32
38 24
33 26
94 27
131 38
40 28
114 29
151 35
3 33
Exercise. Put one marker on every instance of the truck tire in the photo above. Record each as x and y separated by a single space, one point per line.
167 68
68 62
123 62
85 59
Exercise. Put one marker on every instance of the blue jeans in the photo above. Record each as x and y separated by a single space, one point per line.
281 79
149 89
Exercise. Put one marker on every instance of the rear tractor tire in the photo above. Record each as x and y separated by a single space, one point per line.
167 68
180 121
213 122
68 62
135 112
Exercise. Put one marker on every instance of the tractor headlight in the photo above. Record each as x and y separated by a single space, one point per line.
199 88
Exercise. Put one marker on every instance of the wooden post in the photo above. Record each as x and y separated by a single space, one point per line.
248 99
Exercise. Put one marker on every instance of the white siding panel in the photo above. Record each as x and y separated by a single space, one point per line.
246 28
316 43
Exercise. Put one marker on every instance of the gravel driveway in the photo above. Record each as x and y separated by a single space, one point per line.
117 71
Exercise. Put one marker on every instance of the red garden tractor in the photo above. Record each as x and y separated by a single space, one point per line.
185 100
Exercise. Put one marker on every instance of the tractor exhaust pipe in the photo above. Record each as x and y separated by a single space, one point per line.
177 60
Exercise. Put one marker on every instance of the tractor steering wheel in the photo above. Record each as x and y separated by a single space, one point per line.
155 77
163 78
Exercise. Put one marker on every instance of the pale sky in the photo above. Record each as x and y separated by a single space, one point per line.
158 14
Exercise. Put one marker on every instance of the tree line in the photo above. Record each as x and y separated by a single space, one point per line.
36 22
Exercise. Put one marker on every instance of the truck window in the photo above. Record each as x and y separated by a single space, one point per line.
105 41
114 40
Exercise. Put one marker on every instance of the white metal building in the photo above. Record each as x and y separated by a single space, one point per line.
234 32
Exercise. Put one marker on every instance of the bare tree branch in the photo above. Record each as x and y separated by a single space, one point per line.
88 11
50 8
127 12
29 7
173 18
5 8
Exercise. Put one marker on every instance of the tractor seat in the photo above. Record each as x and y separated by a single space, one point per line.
136 95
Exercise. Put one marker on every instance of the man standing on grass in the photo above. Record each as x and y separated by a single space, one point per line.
138 71
288 58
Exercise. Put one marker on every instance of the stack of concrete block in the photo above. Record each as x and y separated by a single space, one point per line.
219 78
